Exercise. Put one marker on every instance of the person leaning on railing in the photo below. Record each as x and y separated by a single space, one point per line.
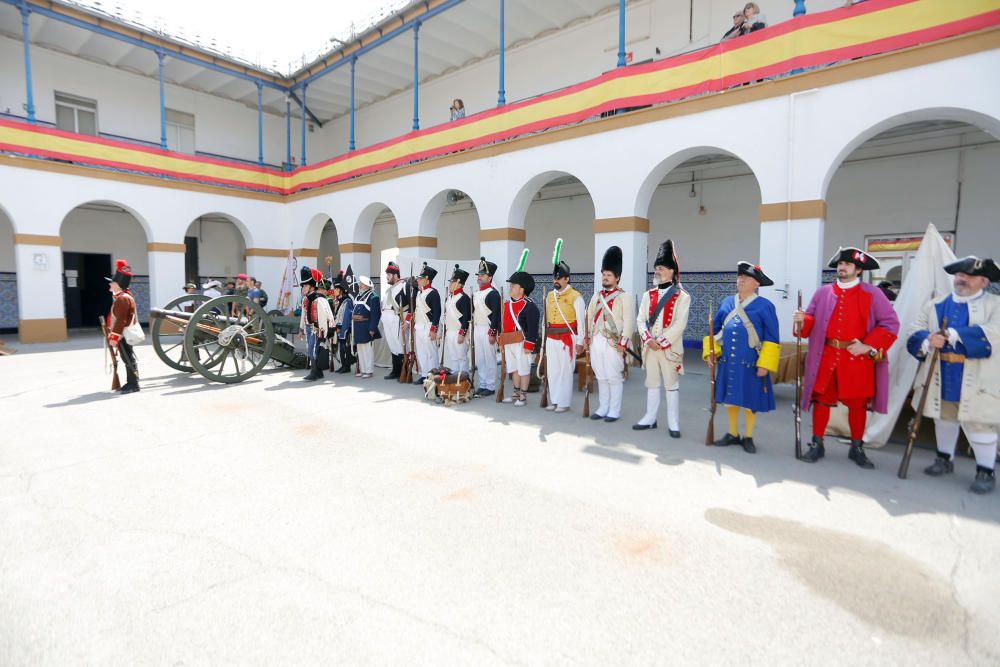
737 29
457 109
753 20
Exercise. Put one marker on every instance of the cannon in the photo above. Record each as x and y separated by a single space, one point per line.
227 339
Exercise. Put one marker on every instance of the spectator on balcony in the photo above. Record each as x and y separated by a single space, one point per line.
737 29
753 20
457 109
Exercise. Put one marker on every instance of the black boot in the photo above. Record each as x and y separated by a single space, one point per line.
129 388
728 439
986 479
857 454
748 446
816 450
943 465
397 367
314 373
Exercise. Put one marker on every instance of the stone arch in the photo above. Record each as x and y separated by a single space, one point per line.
221 252
457 238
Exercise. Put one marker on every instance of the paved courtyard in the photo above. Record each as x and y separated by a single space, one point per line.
350 522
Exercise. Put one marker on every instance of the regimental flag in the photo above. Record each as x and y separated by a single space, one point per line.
289 279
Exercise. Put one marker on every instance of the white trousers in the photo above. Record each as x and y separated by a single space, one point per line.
561 361
456 355
427 350
518 359
609 369
366 357
984 443
486 358
391 332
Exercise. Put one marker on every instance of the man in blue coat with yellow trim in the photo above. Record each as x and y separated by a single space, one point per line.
747 348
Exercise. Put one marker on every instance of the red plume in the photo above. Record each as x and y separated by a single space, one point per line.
121 266
317 275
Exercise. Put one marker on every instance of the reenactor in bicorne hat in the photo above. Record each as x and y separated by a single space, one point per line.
426 319
315 320
394 311
565 314
519 330
342 323
661 320
747 348
611 321
364 321
457 319
123 313
485 327
965 389
850 326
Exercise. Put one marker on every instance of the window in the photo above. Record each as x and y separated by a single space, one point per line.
76 114
180 131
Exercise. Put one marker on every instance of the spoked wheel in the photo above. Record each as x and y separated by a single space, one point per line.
229 339
168 335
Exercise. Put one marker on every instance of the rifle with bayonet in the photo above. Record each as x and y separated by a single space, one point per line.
410 356
798 385
115 384
542 360
710 433
914 426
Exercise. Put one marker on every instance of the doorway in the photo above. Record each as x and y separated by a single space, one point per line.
85 290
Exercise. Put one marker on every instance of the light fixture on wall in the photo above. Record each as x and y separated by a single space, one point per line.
693 193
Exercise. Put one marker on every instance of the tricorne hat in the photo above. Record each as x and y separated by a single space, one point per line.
745 268
973 266
856 256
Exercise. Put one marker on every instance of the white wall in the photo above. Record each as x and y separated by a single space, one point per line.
117 233
329 246
566 216
221 250
458 232
385 235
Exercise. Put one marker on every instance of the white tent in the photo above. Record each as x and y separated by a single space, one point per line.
925 280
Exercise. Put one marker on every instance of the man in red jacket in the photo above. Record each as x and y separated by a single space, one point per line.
122 314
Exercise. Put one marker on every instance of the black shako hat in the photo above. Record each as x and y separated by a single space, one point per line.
744 268
486 268
428 272
973 266
123 274
667 256
459 275
612 261
856 256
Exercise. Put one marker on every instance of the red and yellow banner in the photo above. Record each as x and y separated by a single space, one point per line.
877 26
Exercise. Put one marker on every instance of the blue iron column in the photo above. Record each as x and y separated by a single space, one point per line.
260 122
800 8
303 163
502 93
163 103
288 131
30 107
416 75
354 65
621 33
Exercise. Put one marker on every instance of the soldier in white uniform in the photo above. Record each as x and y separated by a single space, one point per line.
457 317
662 317
611 321
393 312
964 390
486 306
426 318
565 313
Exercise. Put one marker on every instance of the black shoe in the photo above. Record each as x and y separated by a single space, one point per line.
643 427
728 439
815 452
313 375
391 376
748 446
419 381
610 419
675 434
131 389
857 454
343 369
483 391
596 416
943 465
985 480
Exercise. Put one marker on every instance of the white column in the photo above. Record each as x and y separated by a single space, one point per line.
166 273
41 312
358 256
631 234
791 253
503 247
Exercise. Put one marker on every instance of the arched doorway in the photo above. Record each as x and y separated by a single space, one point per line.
939 169
8 275
451 216
558 205
375 231
94 235
707 201
215 249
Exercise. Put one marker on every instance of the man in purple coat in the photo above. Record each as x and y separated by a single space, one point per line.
850 325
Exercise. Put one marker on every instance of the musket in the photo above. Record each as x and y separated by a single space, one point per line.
115 384
710 433
472 341
914 425
406 375
798 385
544 377
503 361
588 380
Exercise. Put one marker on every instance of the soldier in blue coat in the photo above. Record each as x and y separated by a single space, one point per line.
365 319
747 348
342 321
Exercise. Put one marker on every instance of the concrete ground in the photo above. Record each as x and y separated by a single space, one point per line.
350 522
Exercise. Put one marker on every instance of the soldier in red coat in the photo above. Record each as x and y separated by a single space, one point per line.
122 314
850 325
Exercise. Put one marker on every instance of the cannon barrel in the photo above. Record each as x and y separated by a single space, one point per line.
163 313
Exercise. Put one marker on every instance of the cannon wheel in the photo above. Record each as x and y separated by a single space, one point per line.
229 339
168 338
